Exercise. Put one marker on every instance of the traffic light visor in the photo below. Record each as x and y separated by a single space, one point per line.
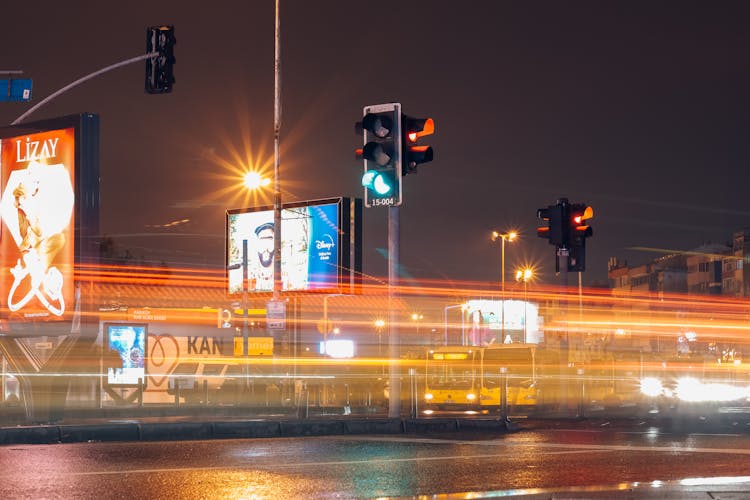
380 125
418 127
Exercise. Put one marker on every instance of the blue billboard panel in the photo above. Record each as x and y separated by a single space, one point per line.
128 341
315 246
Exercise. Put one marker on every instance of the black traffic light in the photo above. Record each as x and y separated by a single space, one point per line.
578 231
414 154
567 229
555 216
160 68
381 126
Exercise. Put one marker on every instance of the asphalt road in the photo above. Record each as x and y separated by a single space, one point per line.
588 459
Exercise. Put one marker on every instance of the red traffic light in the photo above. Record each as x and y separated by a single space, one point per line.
413 129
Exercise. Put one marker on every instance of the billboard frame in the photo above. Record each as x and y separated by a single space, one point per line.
108 348
349 255
85 220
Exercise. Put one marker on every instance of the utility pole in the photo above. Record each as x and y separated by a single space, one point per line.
394 339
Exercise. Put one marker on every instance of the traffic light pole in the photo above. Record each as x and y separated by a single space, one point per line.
245 335
394 341
80 81
276 159
562 263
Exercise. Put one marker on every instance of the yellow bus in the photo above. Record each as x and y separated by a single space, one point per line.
472 378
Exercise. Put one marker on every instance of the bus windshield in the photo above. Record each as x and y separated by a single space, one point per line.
451 369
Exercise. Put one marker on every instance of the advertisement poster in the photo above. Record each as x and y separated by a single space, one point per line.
36 207
128 341
309 248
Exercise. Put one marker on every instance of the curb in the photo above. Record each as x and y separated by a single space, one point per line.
176 431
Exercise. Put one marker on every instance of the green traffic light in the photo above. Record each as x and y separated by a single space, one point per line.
377 182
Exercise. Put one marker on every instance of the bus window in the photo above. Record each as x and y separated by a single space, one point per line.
518 363
454 370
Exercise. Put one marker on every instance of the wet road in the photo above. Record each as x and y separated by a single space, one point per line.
544 460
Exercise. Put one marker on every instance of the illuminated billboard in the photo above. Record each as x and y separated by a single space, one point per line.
128 342
47 209
320 246
37 213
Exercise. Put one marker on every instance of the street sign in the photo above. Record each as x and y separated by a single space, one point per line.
276 315
15 89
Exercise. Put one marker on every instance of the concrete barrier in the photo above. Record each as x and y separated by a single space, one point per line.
43 434
496 424
312 427
375 426
246 429
104 432
239 429
431 425
173 431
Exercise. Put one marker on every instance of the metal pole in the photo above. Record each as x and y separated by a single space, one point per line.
525 308
81 80
244 298
445 323
325 322
276 158
463 327
245 371
394 351
502 289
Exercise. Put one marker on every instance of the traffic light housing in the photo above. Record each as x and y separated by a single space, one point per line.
381 152
567 228
554 215
160 69
578 231
414 154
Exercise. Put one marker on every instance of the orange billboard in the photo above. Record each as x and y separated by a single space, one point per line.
37 237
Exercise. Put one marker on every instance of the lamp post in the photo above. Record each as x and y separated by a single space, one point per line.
509 236
379 324
276 158
524 275
252 180
417 317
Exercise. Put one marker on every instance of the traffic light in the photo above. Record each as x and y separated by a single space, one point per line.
160 69
578 231
412 153
554 215
381 126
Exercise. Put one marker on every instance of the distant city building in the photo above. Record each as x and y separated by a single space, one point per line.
711 269
667 274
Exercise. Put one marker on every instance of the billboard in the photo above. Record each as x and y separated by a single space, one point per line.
128 342
320 246
47 209
37 213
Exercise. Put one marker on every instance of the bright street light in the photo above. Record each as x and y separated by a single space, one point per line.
510 236
253 180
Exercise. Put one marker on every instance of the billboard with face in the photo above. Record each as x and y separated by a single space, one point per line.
315 245
37 172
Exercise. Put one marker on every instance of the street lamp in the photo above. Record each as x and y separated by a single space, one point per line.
379 324
524 275
510 236
417 317
253 180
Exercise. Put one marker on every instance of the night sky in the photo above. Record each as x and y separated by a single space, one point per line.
638 108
